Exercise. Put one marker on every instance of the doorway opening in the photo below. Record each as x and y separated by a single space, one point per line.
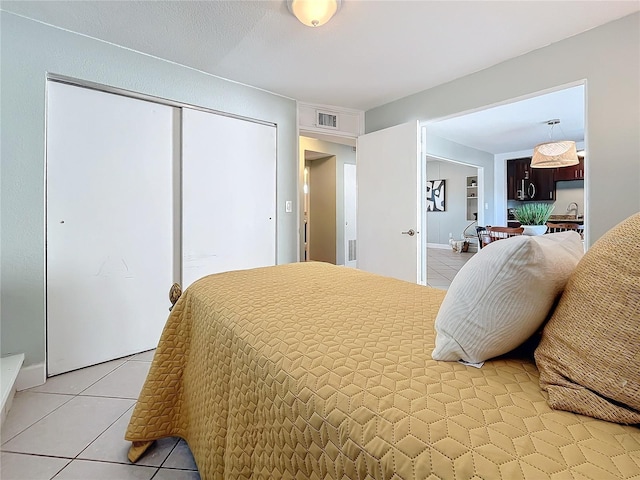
327 216
510 130
319 207
451 234
464 203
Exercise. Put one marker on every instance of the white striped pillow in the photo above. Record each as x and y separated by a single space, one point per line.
503 294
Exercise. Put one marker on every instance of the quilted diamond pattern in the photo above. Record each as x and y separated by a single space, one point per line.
311 371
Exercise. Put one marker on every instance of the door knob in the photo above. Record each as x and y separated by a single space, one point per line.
411 232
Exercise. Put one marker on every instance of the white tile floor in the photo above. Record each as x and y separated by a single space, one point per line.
443 265
72 427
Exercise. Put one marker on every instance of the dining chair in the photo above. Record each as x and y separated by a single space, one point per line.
553 227
492 234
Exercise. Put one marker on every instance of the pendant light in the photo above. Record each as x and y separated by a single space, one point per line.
314 13
554 154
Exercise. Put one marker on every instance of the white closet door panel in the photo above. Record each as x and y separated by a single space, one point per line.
109 225
228 194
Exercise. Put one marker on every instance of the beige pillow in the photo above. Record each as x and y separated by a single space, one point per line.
589 355
503 294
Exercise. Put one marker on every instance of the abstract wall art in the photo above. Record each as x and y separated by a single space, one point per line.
435 195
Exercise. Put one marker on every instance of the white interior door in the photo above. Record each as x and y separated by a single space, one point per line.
389 215
109 225
228 194
350 193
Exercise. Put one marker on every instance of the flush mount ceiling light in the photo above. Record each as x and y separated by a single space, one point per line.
314 13
554 154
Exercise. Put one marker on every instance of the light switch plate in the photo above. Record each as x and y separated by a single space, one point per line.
288 206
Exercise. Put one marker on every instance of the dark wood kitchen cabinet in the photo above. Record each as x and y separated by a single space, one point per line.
544 182
517 178
574 172
529 184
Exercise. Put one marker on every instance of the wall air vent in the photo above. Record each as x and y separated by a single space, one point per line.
352 251
326 119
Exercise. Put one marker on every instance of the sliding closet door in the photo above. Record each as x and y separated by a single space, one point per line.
109 225
228 194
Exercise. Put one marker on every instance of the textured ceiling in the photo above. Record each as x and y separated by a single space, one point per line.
370 53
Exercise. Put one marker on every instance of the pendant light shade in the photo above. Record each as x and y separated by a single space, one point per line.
313 13
554 154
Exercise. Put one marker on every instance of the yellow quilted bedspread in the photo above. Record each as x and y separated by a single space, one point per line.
314 371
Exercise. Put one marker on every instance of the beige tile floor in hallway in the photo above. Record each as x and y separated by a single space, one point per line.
443 265
72 427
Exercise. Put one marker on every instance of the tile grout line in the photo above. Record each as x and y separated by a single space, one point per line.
165 460
100 434
87 446
105 462
37 455
58 472
41 418
42 455
101 378
106 375
77 370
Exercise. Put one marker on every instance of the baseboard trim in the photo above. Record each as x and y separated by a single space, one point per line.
10 368
473 247
442 246
31 376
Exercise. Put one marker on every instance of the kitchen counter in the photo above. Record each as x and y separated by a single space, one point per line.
566 219
552 219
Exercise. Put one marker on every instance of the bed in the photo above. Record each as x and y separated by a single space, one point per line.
310 370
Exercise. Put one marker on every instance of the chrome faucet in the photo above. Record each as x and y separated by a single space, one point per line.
573 206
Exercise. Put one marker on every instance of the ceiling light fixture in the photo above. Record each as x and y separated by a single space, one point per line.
554 154
314 13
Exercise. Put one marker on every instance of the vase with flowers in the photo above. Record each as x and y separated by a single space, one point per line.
533 217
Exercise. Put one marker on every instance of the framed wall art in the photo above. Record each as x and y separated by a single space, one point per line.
436 195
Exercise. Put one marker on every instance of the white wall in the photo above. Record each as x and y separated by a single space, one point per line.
454 218
608 58
344 154
567 192
30 50
442 148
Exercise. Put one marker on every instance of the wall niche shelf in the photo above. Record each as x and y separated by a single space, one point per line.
472 197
